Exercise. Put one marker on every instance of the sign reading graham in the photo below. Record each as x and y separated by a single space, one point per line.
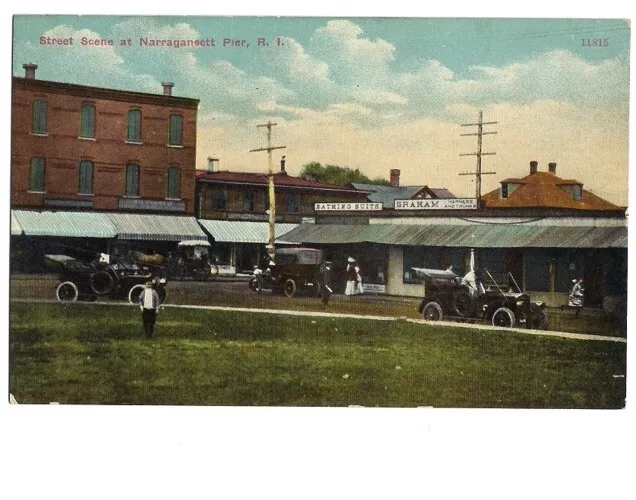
346 207
437 204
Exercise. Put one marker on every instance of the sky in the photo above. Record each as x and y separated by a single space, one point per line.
372 93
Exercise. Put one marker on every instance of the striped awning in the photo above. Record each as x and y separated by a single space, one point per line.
15 225
63 224
463 236
156 227
225 231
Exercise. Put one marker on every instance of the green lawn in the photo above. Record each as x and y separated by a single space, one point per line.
96 354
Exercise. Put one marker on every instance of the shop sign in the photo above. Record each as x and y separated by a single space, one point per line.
346 207
436 204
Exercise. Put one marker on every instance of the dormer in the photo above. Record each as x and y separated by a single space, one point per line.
507 188
574 190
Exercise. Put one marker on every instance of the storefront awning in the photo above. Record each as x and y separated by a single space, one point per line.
463 236
156 227
15 225
63 224
225 231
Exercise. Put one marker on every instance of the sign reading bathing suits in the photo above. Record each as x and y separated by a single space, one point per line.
345 207
437 204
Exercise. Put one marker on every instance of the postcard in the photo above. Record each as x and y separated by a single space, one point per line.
343 213
319 212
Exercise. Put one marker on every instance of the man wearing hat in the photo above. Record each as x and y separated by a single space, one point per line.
352 275
149 305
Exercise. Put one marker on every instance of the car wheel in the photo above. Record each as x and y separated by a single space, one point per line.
67 292
134 293
503 317
463 304
539 318
101 282
255 285
432 312
289 288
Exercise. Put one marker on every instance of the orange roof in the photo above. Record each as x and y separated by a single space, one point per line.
543 190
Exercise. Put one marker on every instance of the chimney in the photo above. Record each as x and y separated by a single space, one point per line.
533 167
282 165
395 177
29 70
167 88
211 164
552 168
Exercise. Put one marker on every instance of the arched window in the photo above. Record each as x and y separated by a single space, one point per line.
133 133
85 177
87 121
132 179
173 183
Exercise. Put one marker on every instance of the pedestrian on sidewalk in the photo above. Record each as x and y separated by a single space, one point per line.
149 305
352 275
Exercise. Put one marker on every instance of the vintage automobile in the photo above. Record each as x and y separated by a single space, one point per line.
293 270
193 260
106 276
448 295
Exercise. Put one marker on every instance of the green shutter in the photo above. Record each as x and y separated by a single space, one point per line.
173 187
134 125
36 174
176 130
87 121
86 177
38 125
132 179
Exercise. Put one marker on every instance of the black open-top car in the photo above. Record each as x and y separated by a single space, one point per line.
293 270
103 277
448 295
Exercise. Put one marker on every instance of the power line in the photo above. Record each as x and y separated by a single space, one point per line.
270 185
479 153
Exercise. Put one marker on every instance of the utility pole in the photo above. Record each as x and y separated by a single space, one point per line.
270 186
478 172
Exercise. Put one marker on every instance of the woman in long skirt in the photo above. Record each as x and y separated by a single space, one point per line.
353 276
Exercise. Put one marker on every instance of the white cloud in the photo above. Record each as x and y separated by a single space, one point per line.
350 57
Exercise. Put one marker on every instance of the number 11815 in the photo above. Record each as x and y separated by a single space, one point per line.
595 42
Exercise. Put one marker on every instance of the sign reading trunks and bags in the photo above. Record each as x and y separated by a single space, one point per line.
346 207
436 204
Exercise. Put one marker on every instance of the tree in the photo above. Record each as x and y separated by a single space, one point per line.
333 174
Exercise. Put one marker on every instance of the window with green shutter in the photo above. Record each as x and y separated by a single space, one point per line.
133 133
132 179
36 174
175 137
38 125
85 177
87 121
173 186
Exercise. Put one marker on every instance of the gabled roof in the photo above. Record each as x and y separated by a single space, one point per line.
544 190
388 194
258 179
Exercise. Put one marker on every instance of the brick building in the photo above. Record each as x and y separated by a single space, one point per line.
80 147
91 166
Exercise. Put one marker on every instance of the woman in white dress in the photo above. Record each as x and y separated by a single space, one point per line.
354 282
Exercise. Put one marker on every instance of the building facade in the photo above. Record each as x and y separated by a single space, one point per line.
91 167
233 207
79 147
537 235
